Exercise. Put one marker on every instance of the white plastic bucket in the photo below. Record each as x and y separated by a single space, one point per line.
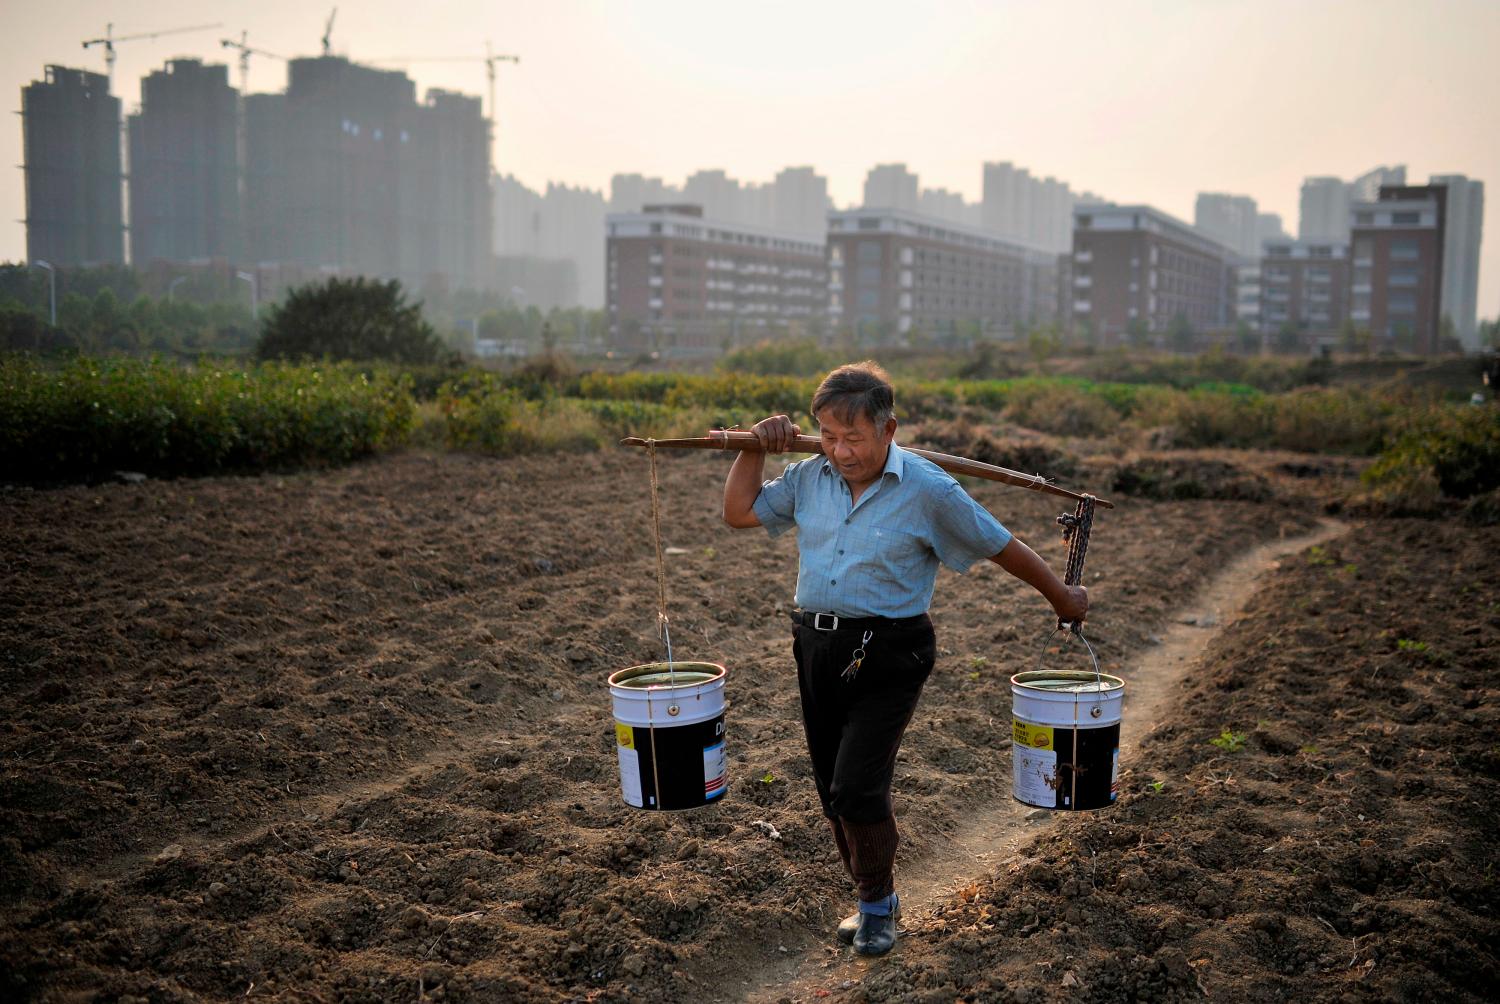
1065 749
669 733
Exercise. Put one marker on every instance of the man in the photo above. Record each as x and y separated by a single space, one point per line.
873 523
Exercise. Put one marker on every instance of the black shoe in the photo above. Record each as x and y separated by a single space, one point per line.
850 924
875 935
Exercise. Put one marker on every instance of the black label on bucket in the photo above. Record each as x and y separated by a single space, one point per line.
687 761
1086 760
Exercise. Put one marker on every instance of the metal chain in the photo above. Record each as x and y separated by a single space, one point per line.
1076 527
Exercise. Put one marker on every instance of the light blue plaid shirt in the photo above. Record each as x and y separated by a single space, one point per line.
878 558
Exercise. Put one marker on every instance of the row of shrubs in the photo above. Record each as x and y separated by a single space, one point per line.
1310 419
92 416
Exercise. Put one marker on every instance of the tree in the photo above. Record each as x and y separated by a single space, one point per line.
1288 338
1137 333
1181 335
1042 344
359 319
1489 334
1448 340
1246 338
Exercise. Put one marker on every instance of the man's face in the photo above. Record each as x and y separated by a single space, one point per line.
857 449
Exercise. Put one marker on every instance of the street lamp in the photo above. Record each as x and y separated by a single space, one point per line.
254 293
52 286
173 285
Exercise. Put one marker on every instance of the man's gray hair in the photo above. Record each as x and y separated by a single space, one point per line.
857 389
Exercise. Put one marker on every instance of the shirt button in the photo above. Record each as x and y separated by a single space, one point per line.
841 550
833 582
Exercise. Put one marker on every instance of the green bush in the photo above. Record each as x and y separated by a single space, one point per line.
1062 408
784 357
349 319
92 416
1455 448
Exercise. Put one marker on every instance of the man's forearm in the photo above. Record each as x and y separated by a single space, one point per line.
1028 566
741 488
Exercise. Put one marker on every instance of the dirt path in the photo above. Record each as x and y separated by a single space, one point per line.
992 836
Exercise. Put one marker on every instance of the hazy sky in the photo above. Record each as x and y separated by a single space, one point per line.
1140 102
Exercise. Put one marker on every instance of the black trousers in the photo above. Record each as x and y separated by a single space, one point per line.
854 727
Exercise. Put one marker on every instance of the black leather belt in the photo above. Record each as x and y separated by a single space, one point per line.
821 621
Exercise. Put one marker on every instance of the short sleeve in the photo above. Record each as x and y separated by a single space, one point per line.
963 531
776 505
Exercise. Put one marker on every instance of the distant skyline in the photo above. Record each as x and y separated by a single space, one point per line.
1140 102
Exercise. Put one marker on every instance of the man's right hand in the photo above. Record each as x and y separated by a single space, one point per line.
776 434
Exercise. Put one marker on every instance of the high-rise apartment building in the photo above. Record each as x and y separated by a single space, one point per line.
1463 233
891 186
71 132
945 205
716 192
800 196
895 275
1268 228
562 224
1033 211
630 193
347 172
683 284
1366 188
1137 264
796 201
1396 260
184 166
1231 220
1324 208
1323 211
1304 285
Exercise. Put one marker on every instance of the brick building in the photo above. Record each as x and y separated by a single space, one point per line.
895 275
1136 263
1304 284
681 284
1396 258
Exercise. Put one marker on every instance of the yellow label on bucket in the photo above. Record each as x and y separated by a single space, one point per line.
1038 737
625 736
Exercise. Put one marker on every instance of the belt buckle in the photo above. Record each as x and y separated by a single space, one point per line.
818 622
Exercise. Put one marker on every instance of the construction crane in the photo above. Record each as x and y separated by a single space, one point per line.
328 33
489 59
109 41
246 52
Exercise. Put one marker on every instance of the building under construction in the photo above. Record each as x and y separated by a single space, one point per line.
71 128
184 166
344 173
347 171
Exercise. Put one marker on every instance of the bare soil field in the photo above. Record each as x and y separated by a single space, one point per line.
345 736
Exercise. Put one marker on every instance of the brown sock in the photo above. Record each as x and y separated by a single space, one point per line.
872 856
843 844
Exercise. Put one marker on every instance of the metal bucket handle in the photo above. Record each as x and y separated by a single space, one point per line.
1073 630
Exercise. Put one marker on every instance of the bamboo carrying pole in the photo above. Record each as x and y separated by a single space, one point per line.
728 440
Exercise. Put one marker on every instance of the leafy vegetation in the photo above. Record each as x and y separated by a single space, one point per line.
1229 742
349 319
92 416
1459 447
